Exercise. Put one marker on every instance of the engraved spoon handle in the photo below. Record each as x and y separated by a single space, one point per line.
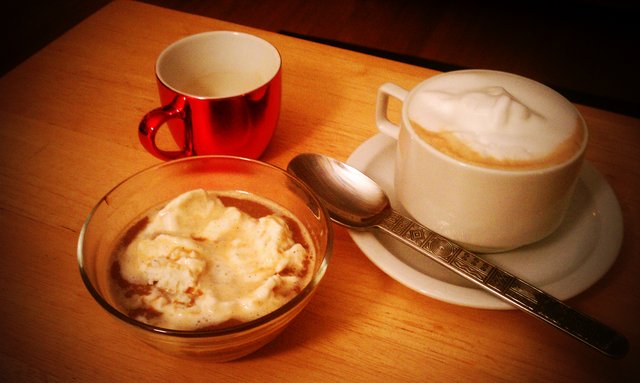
505 285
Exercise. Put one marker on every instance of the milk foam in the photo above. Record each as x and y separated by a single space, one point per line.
496 117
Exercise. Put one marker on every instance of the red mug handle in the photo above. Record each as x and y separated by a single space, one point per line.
153 120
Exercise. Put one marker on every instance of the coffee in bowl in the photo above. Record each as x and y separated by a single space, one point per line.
211 260
486 158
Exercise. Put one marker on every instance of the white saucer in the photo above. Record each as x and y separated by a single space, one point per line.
564 264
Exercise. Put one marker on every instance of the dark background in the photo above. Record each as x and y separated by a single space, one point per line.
587 50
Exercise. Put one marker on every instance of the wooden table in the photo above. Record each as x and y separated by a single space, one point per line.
68 120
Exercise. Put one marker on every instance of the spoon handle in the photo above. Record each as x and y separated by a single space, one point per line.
505 285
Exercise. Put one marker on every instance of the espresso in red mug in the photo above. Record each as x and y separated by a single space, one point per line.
220 93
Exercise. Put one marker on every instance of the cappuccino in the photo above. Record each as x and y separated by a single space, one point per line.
497 120
487 159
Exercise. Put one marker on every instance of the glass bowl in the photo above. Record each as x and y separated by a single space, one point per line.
152 187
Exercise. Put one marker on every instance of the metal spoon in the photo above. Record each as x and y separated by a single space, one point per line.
355 201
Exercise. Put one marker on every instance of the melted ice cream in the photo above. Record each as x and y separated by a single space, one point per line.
198 263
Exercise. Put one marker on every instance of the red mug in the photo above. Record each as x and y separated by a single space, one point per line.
220 93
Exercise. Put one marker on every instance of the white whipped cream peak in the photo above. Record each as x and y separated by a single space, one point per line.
495 114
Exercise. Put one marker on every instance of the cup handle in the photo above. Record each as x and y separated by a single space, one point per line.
152 122
385 91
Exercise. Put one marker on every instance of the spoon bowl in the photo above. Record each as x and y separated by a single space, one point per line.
353 199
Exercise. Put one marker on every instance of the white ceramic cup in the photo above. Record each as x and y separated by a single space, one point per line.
484 209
